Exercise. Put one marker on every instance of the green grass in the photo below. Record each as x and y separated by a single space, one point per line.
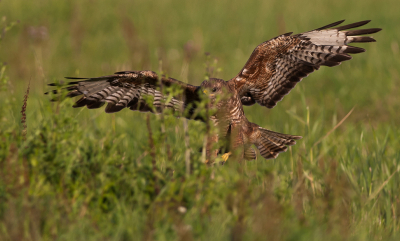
84 175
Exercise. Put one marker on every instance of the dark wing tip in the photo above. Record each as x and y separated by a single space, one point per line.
340 57
95 105
363 31
353 25
329 25
287 34
297 137
112 108
75 78
73 82
362 39
125 72
330 63
354 50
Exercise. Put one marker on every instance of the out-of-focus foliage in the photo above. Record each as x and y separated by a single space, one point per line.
85 175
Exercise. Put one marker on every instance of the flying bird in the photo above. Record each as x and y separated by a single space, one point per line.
273 69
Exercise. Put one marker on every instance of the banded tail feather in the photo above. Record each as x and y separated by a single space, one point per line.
271 143
249 153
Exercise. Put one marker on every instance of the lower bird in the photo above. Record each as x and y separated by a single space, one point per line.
273 69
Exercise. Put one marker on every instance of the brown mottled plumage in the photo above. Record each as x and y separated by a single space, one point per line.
272 70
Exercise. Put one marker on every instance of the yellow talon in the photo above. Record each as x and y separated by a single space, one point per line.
226 156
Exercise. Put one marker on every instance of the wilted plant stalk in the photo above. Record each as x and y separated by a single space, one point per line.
23 118
162 117
187 148
206 138
152 152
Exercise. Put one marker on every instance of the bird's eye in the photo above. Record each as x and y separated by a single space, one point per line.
214 89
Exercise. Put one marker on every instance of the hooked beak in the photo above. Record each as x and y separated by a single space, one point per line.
205 91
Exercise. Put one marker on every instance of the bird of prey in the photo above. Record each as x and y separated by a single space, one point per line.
273 69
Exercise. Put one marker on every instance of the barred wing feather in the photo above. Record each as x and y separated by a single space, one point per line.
277 65
130 89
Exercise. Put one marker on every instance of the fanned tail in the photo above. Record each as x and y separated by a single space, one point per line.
271 143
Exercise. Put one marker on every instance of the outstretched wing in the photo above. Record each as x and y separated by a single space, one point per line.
277 65
136 90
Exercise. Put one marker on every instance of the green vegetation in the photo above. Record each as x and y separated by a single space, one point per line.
78 174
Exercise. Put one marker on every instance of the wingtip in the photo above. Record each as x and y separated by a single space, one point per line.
340 58
287 34
340 21
330 25
74 78
353 25
361 23
297 137
362 39
362 31
354 50
124 72
365 21
337 22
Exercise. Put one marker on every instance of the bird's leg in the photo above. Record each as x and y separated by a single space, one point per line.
226 156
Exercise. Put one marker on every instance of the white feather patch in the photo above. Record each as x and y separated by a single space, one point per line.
326 37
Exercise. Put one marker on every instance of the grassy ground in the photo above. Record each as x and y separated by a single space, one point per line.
79 174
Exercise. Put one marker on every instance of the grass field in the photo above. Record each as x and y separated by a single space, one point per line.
79 174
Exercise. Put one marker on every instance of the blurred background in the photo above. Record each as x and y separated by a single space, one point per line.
54 39
47 40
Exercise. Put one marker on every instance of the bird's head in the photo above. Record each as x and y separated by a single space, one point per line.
216 90
213 87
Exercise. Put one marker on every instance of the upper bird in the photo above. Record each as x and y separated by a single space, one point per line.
272 70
